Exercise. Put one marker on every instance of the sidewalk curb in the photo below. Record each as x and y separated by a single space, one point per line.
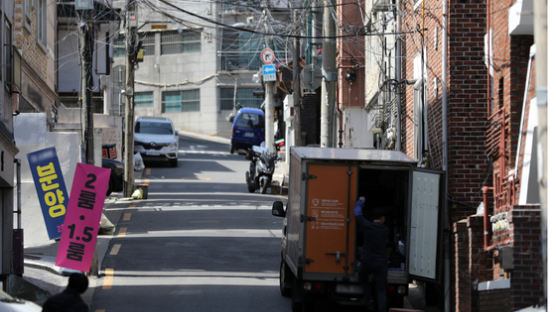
47 266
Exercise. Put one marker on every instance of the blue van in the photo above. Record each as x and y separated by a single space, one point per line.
247 129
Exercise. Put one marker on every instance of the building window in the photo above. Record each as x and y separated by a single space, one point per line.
244 98
148 43
118 47
41 22
174 42
8 55
240 50
27 6
181 101
501 93
143 99
420 120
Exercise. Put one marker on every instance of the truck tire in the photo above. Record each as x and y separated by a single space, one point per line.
300 302
286 279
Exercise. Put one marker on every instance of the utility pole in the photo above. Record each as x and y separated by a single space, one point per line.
86 31
131 35
269 97
87 126
269 115
296 88
329 77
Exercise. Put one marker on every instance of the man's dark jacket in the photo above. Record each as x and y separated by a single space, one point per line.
67 301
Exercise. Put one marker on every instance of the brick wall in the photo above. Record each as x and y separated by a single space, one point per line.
498 300
527 275
351 56
25 39
468 165
472 264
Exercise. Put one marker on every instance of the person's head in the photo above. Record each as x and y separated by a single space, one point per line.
78 282
376 214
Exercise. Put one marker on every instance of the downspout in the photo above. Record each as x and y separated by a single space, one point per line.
399 78
446 218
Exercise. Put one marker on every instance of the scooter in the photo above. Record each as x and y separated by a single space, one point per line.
261 169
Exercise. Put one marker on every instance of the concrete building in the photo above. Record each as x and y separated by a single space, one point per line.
107 82
195 71
9 80
382 88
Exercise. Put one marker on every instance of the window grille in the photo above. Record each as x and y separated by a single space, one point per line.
174 42
143 99
181 101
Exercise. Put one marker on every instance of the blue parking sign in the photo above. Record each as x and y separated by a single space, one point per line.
51 189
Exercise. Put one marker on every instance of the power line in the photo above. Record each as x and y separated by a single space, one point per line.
276 34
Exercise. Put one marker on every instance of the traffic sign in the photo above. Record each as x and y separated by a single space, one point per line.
267 56
269 73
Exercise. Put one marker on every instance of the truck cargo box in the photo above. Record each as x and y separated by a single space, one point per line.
321 242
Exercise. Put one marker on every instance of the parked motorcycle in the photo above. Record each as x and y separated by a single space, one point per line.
261 169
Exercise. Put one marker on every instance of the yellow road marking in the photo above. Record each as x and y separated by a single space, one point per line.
127 216
122 233
148 171
115 249
108 278
147 181
205 179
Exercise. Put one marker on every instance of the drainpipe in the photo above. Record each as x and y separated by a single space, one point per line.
446 218
18 232
399 77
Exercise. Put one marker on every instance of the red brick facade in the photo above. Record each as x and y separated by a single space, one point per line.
483 140
473 265
466 85
351 56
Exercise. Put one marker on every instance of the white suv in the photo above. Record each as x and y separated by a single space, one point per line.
156 138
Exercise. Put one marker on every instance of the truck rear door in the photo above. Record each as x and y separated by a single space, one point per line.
424 223
330 235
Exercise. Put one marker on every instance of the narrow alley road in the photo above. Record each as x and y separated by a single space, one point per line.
200 242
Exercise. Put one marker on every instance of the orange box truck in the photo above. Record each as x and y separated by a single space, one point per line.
320 257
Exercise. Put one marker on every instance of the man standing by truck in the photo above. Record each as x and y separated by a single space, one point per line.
373 253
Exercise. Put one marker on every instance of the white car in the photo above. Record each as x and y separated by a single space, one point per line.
11 304
156 138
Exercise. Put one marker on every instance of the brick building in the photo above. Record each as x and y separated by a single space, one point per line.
491 162
35 38
355 132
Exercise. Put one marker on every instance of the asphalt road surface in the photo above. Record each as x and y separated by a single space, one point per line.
200 242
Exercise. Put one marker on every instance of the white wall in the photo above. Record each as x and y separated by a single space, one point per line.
30 131
356 130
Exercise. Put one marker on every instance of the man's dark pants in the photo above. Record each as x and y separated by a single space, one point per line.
379 273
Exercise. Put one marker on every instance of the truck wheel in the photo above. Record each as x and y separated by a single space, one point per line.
286 278
300 302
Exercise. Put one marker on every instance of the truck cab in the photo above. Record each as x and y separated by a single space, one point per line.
321 246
